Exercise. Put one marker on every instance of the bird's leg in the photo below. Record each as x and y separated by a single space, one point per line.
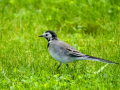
59 65
67 65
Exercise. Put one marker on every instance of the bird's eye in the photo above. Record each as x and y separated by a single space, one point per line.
46 34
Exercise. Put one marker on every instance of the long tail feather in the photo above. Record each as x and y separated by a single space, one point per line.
87 57
100 60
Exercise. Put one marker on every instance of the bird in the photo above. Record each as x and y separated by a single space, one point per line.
65 53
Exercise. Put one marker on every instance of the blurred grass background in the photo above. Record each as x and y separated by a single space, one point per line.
91 26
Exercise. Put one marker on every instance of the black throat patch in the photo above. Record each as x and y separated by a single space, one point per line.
48 44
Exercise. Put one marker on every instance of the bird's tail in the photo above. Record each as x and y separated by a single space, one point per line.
96 59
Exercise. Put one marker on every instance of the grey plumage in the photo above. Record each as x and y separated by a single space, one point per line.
65 53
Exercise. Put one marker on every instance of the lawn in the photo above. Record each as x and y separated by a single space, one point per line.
90 26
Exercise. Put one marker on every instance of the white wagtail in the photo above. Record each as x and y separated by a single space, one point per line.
65 53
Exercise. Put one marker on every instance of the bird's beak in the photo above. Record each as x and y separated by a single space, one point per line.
40 36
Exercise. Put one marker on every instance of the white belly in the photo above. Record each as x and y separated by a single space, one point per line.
58 53
59 57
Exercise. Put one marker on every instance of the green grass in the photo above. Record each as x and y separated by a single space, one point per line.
91 26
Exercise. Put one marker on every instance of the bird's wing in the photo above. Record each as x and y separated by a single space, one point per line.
69 50
74 53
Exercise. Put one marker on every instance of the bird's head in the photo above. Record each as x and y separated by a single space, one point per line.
49 35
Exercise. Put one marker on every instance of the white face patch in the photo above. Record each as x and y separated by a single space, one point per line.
47 36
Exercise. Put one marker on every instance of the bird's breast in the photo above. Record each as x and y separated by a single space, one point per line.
58 53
